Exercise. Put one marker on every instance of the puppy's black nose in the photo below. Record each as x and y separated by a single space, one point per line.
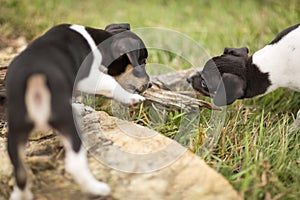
149 85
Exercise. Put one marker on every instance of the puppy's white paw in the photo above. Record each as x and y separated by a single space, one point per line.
134 99
76 165
96 188
18 194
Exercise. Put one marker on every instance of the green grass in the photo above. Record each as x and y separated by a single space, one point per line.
254 152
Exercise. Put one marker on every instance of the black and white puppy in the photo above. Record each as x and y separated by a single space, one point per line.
40 83
235 75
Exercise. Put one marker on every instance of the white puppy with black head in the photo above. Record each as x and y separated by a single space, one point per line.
235 75
40 82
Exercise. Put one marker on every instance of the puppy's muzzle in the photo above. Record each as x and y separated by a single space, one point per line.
144 87
190 78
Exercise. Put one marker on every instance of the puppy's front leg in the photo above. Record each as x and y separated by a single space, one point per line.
106 85
109 87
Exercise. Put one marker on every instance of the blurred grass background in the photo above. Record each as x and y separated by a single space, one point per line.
255 152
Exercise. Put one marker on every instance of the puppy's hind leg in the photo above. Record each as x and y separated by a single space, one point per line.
16 140
77 165
23 110
75 155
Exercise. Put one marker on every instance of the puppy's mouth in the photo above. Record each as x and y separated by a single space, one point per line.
204 89
133 89
207 93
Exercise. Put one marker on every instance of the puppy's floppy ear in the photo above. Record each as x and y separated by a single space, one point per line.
117 28
230 89
132 58
236 51
128 47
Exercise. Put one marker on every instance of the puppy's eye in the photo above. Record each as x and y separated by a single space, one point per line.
203 84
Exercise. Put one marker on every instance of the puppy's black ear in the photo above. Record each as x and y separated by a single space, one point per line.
126 46
132 58
236 51
230 89
117 28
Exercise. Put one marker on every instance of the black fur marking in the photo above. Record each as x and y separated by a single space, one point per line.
98 35
17 135
231 64
257 82
230 88
284 33
114 67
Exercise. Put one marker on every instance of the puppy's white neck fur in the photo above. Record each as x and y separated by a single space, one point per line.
95 51
89 84
281 61
98 82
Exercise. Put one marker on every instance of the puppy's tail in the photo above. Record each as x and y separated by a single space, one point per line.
38 100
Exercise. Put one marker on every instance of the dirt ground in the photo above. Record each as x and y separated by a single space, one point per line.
186 177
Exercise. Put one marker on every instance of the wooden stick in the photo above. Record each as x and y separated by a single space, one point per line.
175 100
